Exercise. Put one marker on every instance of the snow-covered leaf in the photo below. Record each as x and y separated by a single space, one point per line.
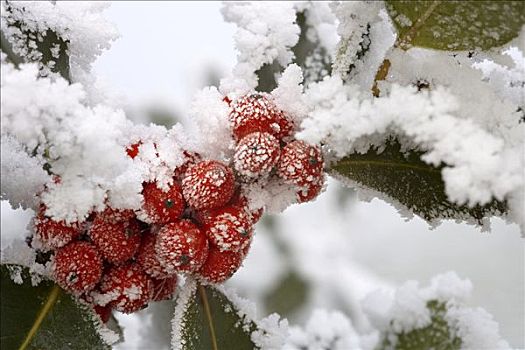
45 47
403 178
456 25
43 316
208 320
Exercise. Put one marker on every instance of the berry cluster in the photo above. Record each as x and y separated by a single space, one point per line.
201 225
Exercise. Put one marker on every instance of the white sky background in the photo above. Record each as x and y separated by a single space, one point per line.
163 53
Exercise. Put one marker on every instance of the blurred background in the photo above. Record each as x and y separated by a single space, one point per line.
326 254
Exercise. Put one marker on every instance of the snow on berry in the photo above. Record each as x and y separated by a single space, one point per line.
181 247
113 216
231 229
300 163
129 287
54 234
258 112
163 289
162 207
190 158
208 184
256 154
117 242
220 265
77 267
147 257
310 191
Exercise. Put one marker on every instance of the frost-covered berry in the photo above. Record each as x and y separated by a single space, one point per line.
231 229
181 247
117 215
208 184
54 234
163 207
163 289
258 112
117 242
147 257
190 159
129 288
300 163
310 191
220 265
77 267
256 154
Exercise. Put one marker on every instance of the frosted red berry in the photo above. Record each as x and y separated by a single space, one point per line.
300 163
230 229
220 265
117 242
117 215
128 286
77 267
208 184
147 257
258 112
163 289
163 207
54 234
256 154
310 191
181 247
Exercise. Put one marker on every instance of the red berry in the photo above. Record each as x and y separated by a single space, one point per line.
78 267
256 154
55 234
117 242
129 287
310 191
163 207
208 184
241 202
163 289
113 216
104 312
147 257
231 229
258 112
220 265
133 150
301 163
181 247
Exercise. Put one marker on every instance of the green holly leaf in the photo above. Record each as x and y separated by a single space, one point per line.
43 317
456 25
403 178
437 335
206 319
47 48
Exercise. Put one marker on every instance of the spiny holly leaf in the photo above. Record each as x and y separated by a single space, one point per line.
47 48
43 317
288 296
456 25
208 320
404 178
436 335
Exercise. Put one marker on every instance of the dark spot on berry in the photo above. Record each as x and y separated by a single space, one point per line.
169 203
313 161
244 233
72 277
184 259
129 232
